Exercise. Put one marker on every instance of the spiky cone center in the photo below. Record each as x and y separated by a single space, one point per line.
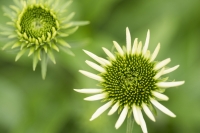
129 80
37 25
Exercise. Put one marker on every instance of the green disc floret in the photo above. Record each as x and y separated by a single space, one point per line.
37 24
129 80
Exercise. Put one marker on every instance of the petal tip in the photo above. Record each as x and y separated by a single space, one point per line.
76 90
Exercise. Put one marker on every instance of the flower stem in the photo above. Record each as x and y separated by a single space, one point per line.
130 122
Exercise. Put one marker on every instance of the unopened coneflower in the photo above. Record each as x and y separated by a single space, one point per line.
131 81
39 27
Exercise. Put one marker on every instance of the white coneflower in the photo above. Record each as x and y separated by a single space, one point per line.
39 27
131 81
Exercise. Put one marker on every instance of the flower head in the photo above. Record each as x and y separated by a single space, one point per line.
131 81
39 27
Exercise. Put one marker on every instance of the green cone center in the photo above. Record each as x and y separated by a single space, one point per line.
37 22
129 80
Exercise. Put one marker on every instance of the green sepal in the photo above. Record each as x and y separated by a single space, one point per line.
80 23
164 79
66 5
38 54
130 112
10 23
69 17
8 13
44 64
35 61
153 109
8 45
6 33
51 56
54 47
45 48
120 109
32 49
20 54
61 34
22 46
13 36
67 25
63 43
72 30
67 51
14 8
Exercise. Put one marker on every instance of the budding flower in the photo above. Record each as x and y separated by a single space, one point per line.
39 27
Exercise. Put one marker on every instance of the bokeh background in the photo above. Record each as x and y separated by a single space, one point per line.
29 104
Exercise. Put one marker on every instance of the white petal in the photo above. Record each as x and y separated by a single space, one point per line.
170 84
128 40
88 91
146 43
135 114
170 69
91 75
139 48
100 110
95 57
155 53
147 54
160 73
160 95
148 112
114 109
134 49
162 64
106 62
95 97
109 54
119 49
95 66
121 117
162 108
142 122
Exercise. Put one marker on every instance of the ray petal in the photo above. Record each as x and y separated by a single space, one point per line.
121 117
155 53
100 110
147 54
135 45
114 109
169 70
95 97
148 112
160 95
139 48
88 91
162 108
91 75
162 64
109 54
170 84
95 57
106 62
128 41
160 73
146 43
142 122
135 114
95 66
119 49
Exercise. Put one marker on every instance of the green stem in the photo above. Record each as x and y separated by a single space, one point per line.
130 122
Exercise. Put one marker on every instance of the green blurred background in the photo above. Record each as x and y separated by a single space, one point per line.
29 104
